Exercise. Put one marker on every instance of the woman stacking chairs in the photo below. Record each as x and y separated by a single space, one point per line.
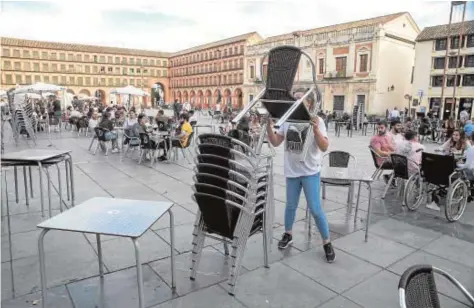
233 189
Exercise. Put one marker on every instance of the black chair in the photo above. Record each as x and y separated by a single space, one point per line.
437 169
101 141
185 147
417 287
147 146
162 126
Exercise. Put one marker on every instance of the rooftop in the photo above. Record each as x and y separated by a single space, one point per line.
337 27
226 41
437 32
8 41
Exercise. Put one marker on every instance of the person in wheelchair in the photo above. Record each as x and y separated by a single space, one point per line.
411 148
457 144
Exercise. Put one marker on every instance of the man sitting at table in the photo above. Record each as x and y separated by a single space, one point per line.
382 145
110 135
180 139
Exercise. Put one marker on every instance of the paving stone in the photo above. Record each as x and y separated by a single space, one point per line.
119 289
181 216
453 249
183 237
57 297
280 286
339 302
7 284
344 273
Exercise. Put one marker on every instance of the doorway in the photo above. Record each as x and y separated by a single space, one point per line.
465 104
448 105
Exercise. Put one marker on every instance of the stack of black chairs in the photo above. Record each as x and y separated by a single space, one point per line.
233 188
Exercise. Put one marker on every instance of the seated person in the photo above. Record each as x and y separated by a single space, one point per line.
408 125
110 135
457 144
469 128
128 125
396 132
160 118
93 121
448 127
411 148
382 145
179 140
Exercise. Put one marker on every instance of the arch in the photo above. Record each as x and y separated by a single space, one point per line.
157 94
85 92
185 96
208 99
100 94
174 95
200 98
227 97
70 91
178 96
217 96
238 99
192 97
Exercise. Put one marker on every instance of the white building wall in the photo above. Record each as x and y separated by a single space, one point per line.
422 71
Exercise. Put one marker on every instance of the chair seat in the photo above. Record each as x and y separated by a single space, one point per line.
336 182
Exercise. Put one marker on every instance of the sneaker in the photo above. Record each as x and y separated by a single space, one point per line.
162 158
115 151
433 206
285 241
329 251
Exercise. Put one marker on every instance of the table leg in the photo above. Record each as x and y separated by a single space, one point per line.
42 266
141 303
15 175
31 183
368 213
60 189
25 178
71 174
173 282
50 210
357 204
40 168
66 165
99 254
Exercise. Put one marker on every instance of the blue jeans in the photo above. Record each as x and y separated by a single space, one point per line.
311 186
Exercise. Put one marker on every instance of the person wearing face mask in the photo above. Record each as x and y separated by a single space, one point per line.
383 146
181 138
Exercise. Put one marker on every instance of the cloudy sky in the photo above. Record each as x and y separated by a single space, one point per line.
174 25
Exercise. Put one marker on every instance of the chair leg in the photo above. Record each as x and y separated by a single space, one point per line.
350 195
185 156
388 185
198 244
92 142
97 147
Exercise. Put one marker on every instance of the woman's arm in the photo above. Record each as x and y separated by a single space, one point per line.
321 140
274 139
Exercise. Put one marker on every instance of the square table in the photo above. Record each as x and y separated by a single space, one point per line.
110 216
40 157
352 175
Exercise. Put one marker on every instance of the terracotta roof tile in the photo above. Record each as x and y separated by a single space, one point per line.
436 32
226 41
337 27
82 48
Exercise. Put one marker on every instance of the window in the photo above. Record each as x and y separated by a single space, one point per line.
117 60
132 71
19 79
110 82
440 44
70 57
87 69
455 42
437 81
45 67
102 59
145 61
341 66
117 71
139 61
117 81
321 66
6 52
132 82
79 81
79 58
37 78
63 67
44 55
88 81
468 81
124 82
62 56
55 80
241 49
165 63
363 63
54 67
338 104
87 58
139 71
132 60
27 66
469 61
452 62
450 81
26 53
36 67
110 59
36 54
53 56
152 62
252 71
470 41
110 69
124 60
264 73
165 73
95 81
45 79
102 69
70 68
7 65
28 79
438 63
16 53
17 66
95 69
63 80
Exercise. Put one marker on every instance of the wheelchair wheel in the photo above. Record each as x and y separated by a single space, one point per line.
456 200
413 192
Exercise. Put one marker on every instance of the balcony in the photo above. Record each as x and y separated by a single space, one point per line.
337 75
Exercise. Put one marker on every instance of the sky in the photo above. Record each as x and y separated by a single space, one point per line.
174 25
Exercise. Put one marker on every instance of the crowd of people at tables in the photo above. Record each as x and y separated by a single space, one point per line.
403 140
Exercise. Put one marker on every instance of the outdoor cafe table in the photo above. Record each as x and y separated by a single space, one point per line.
41 157
352 175
109 216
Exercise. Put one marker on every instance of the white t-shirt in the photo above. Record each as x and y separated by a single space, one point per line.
295 136
395 114
463 116
396 139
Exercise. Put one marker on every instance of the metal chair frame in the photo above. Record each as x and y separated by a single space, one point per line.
344 183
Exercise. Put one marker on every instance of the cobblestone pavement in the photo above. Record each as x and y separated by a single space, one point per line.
364 274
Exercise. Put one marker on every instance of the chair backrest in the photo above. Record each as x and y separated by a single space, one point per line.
400 166
240 135
100 133
374 157
162 126
193 123
282 66
145 142
189 140
339 159
437 168
227 142
419 287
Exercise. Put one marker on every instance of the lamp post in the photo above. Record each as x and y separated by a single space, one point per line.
409 98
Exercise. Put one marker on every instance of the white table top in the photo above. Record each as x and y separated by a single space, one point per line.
110 216
349 174
36 155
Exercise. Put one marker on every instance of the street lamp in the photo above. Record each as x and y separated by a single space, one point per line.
409 98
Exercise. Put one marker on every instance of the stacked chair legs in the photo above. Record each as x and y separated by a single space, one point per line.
234 191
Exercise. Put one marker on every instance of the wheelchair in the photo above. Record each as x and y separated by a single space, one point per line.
439 178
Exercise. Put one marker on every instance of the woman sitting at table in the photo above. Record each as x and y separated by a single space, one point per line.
457 144
110 135
180 139
448 127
